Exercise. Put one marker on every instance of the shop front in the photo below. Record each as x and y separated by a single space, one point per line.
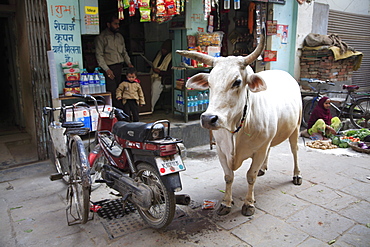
145 25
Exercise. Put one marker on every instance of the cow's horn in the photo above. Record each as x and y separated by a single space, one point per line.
261 45
201 57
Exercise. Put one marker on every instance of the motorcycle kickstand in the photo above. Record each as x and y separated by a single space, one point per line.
124 200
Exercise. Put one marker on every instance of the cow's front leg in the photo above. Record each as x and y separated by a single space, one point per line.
227 200
248 208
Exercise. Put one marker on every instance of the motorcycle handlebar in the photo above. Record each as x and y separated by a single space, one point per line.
121 115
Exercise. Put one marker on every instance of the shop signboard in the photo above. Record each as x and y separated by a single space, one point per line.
65 35
89 12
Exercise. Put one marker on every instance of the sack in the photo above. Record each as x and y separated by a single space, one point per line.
314 39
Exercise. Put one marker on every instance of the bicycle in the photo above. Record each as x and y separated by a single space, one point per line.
357 109
71 161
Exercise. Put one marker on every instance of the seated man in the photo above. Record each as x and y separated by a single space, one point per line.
161 70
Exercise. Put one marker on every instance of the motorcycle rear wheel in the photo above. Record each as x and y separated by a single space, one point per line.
162 211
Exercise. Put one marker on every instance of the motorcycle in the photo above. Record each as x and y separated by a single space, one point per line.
141 161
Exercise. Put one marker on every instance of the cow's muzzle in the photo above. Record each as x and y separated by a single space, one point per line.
209 121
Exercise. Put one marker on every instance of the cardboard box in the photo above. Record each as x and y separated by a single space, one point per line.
82 114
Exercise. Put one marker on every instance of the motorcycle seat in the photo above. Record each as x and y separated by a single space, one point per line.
135 131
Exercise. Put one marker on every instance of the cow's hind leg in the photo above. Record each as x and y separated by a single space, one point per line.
263 169
293 140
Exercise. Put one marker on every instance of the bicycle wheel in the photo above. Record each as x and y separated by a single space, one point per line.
359 113
78 195
307 110
161 213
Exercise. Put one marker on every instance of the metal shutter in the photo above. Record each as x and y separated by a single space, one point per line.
354 29
39 43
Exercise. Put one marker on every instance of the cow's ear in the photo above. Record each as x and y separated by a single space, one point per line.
256 83
198 81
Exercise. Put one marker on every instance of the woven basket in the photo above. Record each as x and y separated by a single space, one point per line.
354 146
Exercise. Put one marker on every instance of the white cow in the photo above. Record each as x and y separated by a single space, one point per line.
248 113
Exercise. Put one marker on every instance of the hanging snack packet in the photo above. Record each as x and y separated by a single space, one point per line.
126 4
120 10
131 9
170 7
145 15
143 3
161 8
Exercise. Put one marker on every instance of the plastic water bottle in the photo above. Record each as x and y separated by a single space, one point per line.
206 100
182 108
196 104
236 4
178 102
190 104
201 102
103 88
226 4
84 82
96 81
91 83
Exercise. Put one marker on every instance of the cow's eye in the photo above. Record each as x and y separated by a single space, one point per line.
237 83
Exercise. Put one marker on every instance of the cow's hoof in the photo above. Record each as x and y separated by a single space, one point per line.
297 180
223 210
248 210
261 173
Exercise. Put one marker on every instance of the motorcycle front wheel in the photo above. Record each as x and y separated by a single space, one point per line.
163 207
95 171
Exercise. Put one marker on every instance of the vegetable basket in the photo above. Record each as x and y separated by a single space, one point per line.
354 146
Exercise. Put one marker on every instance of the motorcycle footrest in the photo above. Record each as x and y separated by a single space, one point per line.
56 176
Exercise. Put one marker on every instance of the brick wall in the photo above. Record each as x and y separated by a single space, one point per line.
320 64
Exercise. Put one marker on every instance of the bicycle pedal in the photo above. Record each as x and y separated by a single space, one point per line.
56 176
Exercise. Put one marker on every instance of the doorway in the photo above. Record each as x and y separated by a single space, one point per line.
10 121
15 143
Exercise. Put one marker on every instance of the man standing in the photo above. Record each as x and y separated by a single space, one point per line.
110 55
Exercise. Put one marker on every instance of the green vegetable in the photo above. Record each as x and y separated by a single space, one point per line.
343 145
336 140
361 133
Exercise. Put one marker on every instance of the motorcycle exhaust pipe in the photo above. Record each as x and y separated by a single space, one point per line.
183 199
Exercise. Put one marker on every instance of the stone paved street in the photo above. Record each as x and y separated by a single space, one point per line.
331 206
